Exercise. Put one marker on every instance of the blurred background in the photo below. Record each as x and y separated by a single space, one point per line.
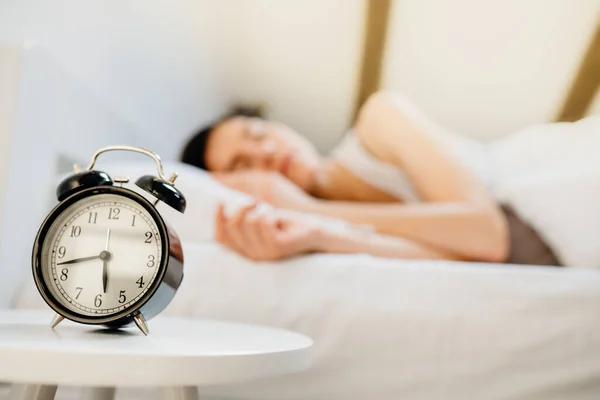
75 76
482 68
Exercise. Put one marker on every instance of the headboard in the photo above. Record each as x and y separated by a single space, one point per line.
55 121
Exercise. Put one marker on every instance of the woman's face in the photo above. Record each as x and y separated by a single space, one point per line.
243 143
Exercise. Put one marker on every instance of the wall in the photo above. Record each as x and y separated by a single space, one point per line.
97 73
488 68
10 62
56 119
482 68
155 63
595 106
300 58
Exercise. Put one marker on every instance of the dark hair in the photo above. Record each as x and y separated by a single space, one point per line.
195 149
194 152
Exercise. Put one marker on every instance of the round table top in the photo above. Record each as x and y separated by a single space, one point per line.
177 352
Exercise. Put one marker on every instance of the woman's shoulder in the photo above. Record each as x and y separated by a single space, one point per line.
377 145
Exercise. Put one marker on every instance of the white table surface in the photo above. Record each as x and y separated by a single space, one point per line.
178 352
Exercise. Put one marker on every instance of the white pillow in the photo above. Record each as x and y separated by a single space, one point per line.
564 208
550 175
543 149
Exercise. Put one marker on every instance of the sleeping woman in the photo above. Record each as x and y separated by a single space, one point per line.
394 172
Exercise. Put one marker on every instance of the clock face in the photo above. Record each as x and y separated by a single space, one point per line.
101 255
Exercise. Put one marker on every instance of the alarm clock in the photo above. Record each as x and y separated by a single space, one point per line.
104 255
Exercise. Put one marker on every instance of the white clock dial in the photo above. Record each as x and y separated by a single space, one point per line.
101 255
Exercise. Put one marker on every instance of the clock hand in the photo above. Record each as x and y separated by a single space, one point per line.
107 239
105 275
78 260
105 255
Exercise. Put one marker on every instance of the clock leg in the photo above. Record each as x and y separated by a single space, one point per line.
100 393
57 320
180 393
140 321
32 392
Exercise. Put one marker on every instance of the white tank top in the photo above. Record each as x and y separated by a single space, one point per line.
381 175
391 179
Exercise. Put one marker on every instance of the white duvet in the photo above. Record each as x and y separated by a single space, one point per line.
390 329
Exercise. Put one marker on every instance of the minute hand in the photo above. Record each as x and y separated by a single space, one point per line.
78 260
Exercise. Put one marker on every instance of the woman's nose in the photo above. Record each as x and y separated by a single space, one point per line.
269 147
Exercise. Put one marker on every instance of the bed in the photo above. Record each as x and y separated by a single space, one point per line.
389 329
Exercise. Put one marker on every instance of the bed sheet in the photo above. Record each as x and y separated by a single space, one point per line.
391 329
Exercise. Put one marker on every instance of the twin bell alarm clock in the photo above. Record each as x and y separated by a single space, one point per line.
104 255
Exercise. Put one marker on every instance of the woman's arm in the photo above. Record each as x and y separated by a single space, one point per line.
357 241
274 236
458 215
459 229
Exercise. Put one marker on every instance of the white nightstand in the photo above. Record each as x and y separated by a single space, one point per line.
177 356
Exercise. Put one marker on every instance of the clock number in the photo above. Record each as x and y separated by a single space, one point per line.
98 300
151 260
113 213
140 282
148 237
75 231
133 221
61 252
92 218
78 290
63 274
122 298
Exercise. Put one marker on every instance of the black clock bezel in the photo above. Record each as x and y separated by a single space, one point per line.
41 284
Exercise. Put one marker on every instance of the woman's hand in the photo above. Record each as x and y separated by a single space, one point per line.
269 187
276 236
262 237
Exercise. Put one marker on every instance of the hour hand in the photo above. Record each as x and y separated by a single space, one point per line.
78 260
104 275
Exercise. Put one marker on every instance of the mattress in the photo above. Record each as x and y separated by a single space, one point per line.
392 329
